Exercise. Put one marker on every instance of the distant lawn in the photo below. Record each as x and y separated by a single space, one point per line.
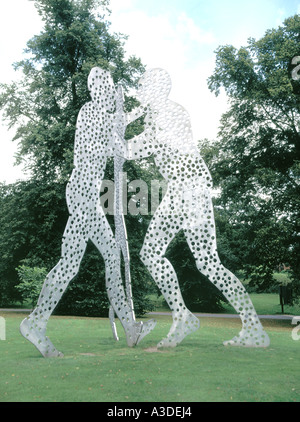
264 303
267 304
200 369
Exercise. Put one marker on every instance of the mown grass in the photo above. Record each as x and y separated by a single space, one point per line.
267 304
95 368
264 303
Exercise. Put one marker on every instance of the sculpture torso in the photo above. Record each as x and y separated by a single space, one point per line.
91 150
175 152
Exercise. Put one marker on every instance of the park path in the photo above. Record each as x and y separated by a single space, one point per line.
202 315
208 315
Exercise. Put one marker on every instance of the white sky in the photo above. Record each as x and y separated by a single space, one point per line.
178 35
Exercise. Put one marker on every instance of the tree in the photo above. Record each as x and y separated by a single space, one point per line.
31 282
43 107
257 165
32 219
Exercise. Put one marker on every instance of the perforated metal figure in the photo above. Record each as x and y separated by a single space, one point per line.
186 206
96 139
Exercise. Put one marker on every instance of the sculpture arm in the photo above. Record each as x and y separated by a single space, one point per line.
135 114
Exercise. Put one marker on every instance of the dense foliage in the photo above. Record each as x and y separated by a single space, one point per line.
256 161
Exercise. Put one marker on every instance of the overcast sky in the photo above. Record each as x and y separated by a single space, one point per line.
177 35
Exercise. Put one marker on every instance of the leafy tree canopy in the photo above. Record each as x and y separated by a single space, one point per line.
257 155
44 105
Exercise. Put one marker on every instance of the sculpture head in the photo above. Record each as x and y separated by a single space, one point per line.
102 89
154 87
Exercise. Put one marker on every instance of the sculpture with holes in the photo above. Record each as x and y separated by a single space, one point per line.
96 139
186 206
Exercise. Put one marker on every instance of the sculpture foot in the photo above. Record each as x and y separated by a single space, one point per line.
39 340
254 338
183 325
147 327
138 331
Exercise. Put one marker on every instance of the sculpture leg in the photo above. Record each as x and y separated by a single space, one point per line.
160 232
33 328
104 240
202 242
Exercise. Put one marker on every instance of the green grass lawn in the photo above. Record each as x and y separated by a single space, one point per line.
264 303
95 368
267 304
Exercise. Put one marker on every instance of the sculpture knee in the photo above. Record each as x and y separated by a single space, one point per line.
210 265
144 254
221 277
150 255
206 259
111 256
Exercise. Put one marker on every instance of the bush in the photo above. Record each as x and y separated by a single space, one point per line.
31 282
261 279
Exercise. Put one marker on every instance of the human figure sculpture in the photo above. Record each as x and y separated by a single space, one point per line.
96 139
186 206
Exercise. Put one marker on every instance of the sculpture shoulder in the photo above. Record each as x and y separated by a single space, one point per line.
178 110
174 118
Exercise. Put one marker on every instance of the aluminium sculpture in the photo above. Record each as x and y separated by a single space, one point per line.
96 139
186 206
